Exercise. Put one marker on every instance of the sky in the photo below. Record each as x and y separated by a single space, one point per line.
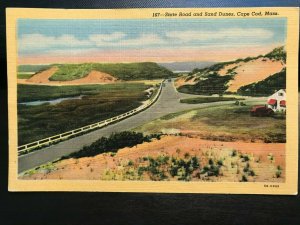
43 41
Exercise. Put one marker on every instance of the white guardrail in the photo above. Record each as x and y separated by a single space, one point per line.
63 136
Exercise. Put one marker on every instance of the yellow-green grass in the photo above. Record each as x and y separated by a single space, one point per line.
123 71
25 75
224 123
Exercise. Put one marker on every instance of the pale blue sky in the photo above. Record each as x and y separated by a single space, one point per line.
46 36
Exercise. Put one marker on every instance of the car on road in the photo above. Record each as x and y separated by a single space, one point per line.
261 110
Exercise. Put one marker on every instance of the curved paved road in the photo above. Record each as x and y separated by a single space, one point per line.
168 102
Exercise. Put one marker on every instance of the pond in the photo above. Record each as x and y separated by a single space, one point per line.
51 102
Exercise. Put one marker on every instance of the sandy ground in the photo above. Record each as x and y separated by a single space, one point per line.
252 71
181 81
94 167
94 77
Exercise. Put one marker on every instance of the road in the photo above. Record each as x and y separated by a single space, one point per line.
168 102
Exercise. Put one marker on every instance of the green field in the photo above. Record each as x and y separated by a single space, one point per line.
223 123
100 102
198 100
123 71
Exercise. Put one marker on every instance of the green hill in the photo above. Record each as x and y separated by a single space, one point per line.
123 71
32 68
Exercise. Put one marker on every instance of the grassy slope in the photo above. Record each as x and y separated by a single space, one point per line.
123 71
24 75
32 68
104 101
224 123
214 84
209 82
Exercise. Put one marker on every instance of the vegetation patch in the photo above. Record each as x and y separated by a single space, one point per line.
99 102
277 54
160 168
123 71
198 100
24 75
112 144
230 122
213 84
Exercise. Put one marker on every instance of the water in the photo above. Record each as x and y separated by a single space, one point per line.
51 102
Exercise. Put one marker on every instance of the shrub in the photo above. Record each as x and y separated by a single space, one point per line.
234 153
245 158
244 178
220 162
278 172
110 144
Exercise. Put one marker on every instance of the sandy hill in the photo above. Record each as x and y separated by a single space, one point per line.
94 77
231 76
93 72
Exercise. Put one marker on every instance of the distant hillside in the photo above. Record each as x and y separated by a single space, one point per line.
32 68
123 71
236 74
185 66
265 87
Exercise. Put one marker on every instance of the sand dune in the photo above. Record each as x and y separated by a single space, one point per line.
182 81
94 77
252 71
91 168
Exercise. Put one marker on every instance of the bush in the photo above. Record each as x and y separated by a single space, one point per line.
278 172
234 153
244 178
111 144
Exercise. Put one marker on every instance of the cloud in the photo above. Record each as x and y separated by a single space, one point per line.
39 41
232 33
71 51
36 42
29 43
118 39
102 39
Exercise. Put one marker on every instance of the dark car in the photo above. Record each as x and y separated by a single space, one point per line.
261 110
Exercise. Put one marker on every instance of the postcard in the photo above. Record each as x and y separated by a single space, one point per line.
193 100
